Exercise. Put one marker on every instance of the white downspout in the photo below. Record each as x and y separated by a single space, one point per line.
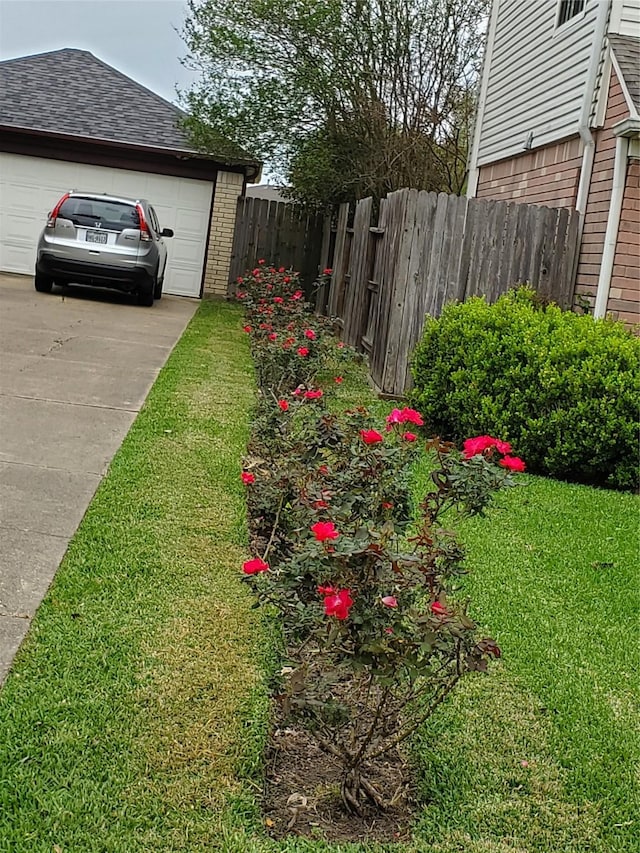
613 223
474 171
584 130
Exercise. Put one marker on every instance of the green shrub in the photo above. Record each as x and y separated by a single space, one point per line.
564 389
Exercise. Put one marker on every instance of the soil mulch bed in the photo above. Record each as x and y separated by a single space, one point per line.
302 794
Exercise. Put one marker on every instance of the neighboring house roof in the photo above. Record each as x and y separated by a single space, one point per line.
268 191
72 93
626 50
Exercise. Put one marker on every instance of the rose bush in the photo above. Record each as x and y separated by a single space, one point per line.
363 581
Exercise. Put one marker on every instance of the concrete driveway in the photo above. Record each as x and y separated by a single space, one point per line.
75 368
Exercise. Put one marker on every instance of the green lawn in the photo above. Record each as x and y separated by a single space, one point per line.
134 717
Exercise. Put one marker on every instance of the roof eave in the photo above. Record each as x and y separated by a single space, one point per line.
251 168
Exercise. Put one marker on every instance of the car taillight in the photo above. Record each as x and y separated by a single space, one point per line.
51 221
145 234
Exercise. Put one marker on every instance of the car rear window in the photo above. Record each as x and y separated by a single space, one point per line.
95 212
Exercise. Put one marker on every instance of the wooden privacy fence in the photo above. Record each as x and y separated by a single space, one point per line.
281 233
427 250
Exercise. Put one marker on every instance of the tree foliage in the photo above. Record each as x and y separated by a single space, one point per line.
342 98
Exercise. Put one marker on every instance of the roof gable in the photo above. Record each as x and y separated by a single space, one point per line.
626 50
71 92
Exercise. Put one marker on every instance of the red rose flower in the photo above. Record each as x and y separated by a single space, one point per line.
261 261
281 269
253 567
278 299
284 405
513 463
246 329
255 273
387 505
338 604
320 505
409 436
503 446
412 417
327 271
297 295
370 436
439 609
303 351
395 417
287 279
389 601
340 344
324 530
474 446
309 333
326 590
338 380
247 478
402 416
273 336
313 395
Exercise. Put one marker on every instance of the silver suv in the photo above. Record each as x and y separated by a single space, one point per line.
103 241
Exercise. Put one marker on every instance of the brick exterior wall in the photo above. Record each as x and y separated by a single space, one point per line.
223 221
624 295
597 212
548 176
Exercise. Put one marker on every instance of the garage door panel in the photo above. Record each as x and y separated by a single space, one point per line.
181 283
31 186
184 251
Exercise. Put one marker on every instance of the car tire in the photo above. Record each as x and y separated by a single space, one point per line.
145 293
157 288
43 283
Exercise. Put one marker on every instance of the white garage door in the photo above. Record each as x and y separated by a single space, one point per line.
30 187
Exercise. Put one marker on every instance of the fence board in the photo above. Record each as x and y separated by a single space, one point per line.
321 297
385 272
356 302
339 266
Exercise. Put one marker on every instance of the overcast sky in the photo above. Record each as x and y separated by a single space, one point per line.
138 37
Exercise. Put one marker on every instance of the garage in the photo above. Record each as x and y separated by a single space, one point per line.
122 140
31 186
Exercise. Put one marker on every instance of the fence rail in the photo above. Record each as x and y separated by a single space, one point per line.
427 250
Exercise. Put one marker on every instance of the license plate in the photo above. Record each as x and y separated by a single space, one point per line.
96 237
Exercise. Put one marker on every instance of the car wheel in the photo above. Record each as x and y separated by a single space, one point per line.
43 283
145 293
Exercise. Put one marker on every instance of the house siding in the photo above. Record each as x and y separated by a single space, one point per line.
597 212
223 222
548 176
629 24
624 295
536 77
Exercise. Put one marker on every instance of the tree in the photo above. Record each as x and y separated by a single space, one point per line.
343 98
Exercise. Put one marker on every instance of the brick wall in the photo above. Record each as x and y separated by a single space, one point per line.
624 295
223 220
548 176
597 212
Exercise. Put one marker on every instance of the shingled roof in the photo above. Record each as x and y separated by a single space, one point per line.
627 53
71 92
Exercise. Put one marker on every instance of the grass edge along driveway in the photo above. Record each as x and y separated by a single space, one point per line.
135 714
